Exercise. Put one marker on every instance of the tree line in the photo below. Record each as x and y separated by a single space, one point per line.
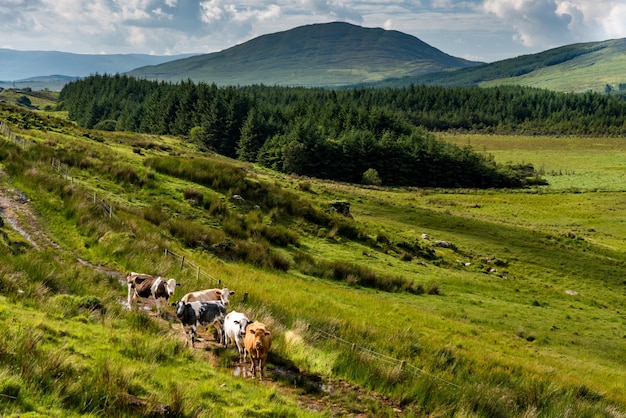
344 134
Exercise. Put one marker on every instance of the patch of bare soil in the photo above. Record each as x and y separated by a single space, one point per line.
17 212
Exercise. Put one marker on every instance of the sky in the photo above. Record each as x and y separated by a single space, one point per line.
478 30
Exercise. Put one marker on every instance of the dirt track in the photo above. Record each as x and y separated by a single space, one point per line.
16 210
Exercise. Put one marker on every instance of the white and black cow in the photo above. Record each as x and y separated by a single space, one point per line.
147 286
204 313
235 325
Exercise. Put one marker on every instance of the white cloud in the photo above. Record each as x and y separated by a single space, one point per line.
334 8
615 23
549 23
491 29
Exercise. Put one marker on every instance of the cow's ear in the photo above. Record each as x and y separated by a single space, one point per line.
218 292
267 333
232 292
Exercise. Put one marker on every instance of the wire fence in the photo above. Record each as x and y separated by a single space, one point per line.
6 131
64 170
59 167
401 365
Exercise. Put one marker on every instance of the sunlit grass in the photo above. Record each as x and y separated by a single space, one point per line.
501 331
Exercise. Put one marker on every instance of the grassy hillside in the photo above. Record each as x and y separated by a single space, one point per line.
571 68
332 54
521 314
39 100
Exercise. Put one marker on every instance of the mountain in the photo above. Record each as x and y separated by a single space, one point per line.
21 65
53 82
329 54
571 68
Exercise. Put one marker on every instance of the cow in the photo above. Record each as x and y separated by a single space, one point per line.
207 295
204 313
147 286
258 341
235 325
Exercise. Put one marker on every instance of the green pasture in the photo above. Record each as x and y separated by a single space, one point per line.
568 163
521 315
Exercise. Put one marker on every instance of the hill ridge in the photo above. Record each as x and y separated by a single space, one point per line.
322 54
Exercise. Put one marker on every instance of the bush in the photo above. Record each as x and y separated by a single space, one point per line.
372 178
194 235
279 235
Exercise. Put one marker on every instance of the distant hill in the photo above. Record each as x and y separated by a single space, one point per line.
571 68
21 65
53 82
329 54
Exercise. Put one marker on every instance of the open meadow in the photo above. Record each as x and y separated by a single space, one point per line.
427 302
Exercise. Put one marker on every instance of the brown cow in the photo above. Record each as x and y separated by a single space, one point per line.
258 341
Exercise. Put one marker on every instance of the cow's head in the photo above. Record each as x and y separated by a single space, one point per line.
259 334
180 307
171 286
224 294
242 324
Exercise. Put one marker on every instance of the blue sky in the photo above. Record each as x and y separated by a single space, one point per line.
480 30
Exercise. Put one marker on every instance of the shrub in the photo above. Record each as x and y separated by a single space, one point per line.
279 235
193 234
371 177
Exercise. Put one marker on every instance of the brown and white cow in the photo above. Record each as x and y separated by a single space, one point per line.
258 341
147 286
208 295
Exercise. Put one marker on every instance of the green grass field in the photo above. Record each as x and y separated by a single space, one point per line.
521 316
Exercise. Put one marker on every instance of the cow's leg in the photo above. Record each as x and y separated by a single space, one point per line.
193 335
261 367
160 305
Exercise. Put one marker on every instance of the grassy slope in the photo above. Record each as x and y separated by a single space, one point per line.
506 335
588 72
571 68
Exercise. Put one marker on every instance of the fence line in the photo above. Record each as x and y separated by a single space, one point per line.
199 272
59 167
400 364
65 172
108 210
4 129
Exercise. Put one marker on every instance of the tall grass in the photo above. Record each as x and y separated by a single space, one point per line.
507 270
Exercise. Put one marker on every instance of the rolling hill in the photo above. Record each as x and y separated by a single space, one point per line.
22 65
571 68
331 54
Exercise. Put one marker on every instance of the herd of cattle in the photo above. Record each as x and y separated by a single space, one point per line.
206 308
